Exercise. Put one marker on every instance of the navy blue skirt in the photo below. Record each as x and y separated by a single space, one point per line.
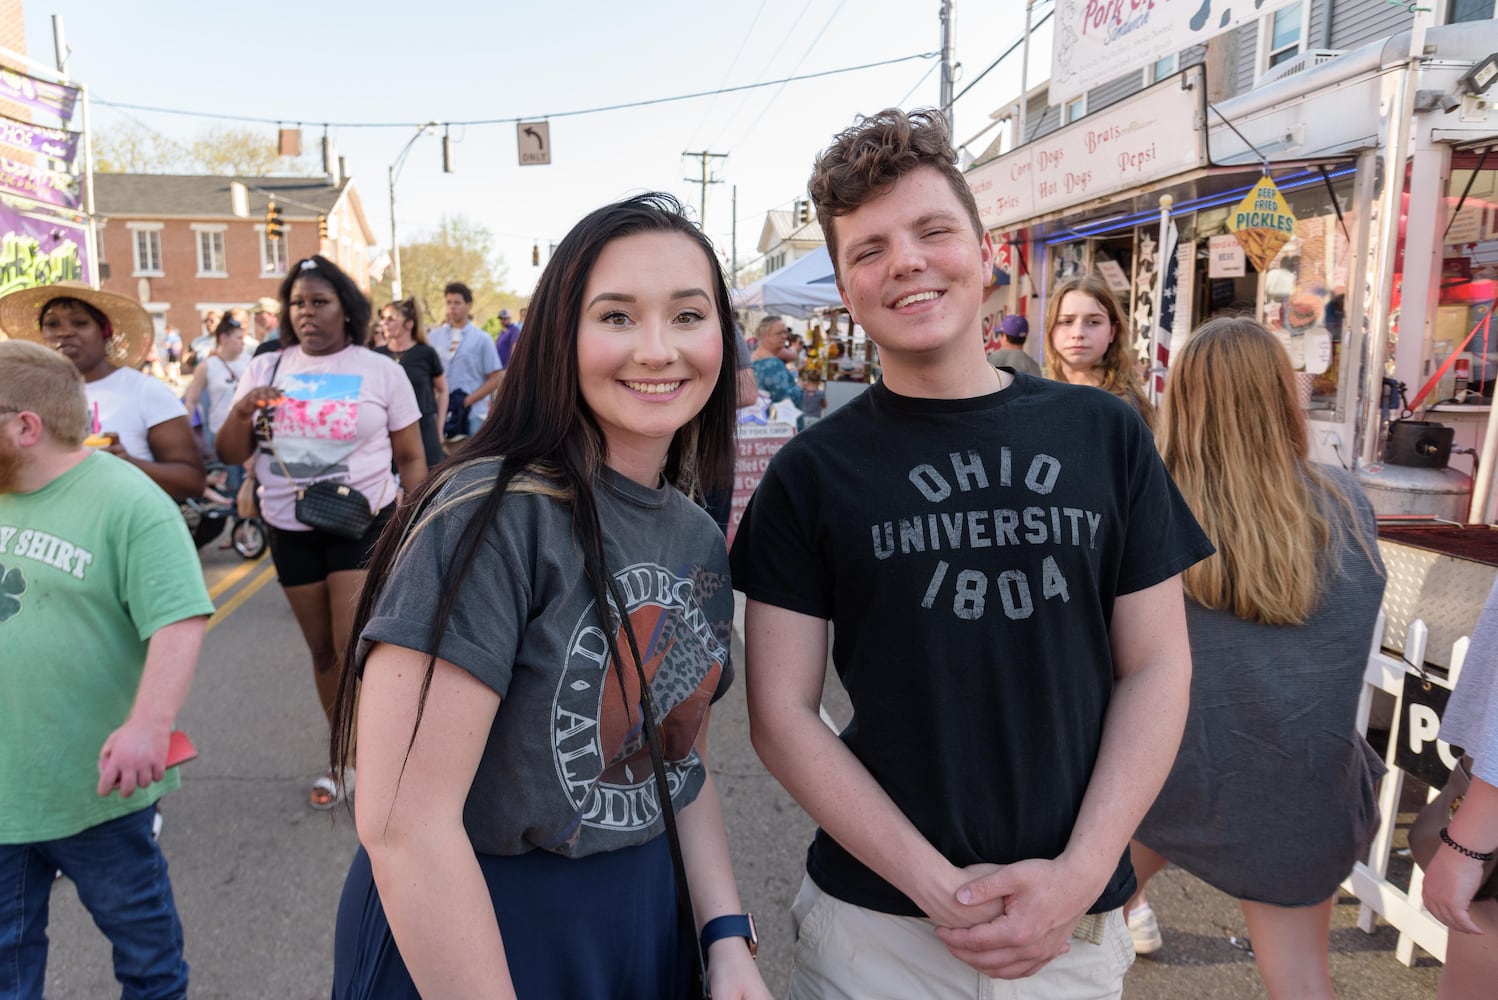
605 926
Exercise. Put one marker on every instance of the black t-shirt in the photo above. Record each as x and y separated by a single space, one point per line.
422 364
968 553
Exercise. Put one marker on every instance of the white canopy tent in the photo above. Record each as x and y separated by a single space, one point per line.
796 290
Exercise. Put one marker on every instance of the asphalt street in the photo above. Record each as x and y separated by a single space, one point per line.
257 874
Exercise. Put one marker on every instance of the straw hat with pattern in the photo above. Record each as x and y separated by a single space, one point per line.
133 331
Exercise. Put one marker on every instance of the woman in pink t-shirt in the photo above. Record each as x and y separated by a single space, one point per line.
324 408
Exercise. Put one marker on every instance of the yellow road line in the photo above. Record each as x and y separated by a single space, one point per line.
266 576
234 576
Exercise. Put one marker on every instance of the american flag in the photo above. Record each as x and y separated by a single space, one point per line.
1169 241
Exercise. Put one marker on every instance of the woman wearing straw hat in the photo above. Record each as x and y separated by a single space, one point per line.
106 336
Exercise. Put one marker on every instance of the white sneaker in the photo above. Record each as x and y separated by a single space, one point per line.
1144 929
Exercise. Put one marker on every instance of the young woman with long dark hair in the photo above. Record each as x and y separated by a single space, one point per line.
508 809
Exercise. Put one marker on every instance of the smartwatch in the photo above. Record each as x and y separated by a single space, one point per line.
732 925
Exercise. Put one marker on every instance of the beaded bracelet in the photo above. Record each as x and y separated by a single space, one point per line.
1467 851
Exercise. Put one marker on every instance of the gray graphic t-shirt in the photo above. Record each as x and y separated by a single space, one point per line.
566 768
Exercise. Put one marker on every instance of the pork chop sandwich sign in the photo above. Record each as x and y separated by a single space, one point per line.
1096 40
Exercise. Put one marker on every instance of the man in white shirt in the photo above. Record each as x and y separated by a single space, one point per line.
470 361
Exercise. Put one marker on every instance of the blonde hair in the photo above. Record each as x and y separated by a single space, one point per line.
1234 438
44 382
1115 370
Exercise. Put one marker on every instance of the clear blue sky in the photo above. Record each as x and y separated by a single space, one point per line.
383 61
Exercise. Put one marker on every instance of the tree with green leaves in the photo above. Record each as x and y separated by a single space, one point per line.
459 250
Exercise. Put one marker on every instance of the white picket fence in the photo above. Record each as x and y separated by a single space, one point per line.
1369 879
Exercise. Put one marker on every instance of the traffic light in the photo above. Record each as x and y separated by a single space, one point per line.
322 227
535 255
803 212
273 228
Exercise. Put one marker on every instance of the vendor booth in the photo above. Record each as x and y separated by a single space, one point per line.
798 289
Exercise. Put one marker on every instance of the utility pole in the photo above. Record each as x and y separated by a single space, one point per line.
947 14
704 180
733 240
1024 82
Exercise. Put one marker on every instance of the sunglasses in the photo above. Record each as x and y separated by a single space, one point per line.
264 424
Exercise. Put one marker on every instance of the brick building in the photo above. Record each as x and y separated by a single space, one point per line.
183 245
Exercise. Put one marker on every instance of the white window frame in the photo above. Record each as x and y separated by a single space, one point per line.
1266 35
273 252
200 231
1151 77
137 230
1080 104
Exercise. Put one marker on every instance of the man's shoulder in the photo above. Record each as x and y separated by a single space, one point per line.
128 489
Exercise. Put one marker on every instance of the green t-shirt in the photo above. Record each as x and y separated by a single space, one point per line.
91 565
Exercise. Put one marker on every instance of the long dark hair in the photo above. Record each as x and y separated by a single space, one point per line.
356 308
540 429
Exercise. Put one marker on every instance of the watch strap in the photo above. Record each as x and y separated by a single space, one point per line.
730 925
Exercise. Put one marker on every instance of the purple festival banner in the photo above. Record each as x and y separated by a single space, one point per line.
38 250
59 144
53 98
50 187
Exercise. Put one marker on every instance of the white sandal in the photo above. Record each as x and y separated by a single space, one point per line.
327 792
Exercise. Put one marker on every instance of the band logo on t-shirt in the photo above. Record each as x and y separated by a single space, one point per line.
598 746
971 592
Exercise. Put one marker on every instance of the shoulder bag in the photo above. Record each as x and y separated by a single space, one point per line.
1425 832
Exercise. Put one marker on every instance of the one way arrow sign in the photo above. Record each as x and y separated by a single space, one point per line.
534 141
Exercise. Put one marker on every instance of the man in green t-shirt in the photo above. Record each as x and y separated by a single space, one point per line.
102 613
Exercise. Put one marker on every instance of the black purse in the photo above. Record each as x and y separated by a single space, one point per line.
336 508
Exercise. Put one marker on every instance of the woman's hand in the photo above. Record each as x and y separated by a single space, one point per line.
732 974
258 398
1450 882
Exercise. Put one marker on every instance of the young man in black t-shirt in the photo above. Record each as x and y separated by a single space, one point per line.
1000 558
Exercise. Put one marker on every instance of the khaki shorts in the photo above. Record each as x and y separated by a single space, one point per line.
847 952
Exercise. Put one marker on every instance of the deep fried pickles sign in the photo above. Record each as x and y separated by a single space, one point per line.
1262 223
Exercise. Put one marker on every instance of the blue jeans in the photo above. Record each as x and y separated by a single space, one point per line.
121 879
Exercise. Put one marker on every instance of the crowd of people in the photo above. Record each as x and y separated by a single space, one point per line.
1070 657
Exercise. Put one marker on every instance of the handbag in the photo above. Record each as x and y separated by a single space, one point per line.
1425 832
686 915
246 505
336 508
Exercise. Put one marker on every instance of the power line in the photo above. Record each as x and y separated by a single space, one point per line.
775 96
505 121
1002 56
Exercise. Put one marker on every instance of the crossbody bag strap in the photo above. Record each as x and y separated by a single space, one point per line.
658 765
271 440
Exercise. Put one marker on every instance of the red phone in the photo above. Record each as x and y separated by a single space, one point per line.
180 750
